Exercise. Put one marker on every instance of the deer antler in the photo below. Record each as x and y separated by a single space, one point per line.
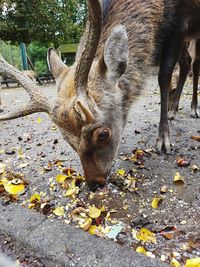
91 40
38 102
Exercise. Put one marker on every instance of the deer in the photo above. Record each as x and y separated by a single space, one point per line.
189 60
122 39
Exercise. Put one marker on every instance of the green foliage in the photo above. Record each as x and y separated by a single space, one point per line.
45 21
38 54
12 54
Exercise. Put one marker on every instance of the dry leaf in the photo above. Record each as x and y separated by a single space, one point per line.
196 138
121 172
141 250
94 212
86 224
60 178
155 202
14 186
35 198
195 168
175 263
178 178
59 211
182 162
146 236
164 189
193 262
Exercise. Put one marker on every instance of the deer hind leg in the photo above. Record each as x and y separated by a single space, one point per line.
174 98
195 113
169 56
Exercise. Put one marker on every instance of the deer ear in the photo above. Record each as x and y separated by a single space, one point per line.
56 66
116 53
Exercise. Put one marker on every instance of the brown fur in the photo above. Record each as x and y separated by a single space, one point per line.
115 82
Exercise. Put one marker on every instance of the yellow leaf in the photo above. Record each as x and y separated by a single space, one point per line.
178 178
93 229
39 120
155 202
70 192
20 154
31 205
72 189
94 212
193 262
60 178
59 211
14 186
35 198
54 128
121 172
141 250
146 236
175 263
86 224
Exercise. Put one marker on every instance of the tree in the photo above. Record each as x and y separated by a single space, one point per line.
44 21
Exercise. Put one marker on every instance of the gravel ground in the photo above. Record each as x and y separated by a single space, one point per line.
34 147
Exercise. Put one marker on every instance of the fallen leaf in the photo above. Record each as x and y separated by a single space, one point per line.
178 178
60 178
196 138
195 168
182 162
175 263
59 211
168 235
141 250
35 198
94 230
14 186
155 202
121 172
86 224
193 262
146 236
164 189
94 212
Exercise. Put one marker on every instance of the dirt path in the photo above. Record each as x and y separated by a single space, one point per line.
176 221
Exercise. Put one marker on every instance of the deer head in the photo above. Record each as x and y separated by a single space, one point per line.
89 106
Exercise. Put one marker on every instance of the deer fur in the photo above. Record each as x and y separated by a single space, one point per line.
123 38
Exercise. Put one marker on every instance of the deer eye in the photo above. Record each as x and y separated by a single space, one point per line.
104 135
101 135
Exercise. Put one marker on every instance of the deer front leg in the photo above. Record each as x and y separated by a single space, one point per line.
195 113
169 56
184 63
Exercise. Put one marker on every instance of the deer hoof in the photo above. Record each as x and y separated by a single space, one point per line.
195 113
171 115
163 145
